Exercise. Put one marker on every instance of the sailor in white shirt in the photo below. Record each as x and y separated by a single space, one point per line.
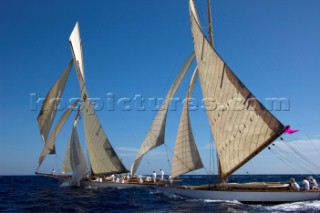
154 176
294 186
161 173
306 184
313 183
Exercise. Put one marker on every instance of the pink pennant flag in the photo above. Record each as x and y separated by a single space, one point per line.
288 130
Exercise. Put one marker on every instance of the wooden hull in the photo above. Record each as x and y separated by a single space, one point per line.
244 196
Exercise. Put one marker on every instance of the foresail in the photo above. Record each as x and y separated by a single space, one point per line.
240 124
155 136
49 147
103 158
75 160
76 47
50 104
186 157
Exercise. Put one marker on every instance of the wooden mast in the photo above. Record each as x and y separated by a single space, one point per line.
210 24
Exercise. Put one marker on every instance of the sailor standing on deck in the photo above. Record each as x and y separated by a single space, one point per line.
154 176
161 173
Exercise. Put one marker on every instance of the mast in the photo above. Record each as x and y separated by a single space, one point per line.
210 24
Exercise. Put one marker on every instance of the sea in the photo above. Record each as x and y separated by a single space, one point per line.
45 194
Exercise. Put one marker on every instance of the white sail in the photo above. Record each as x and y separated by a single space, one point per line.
186 157
240 124
50 104
103 158
155 136
49 147
76 47
75 160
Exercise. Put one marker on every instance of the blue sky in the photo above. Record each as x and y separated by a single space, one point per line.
137 48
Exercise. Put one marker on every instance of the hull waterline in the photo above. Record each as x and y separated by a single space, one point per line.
243 196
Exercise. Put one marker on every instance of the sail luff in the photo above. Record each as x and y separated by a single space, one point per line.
102 156
50 104
49 147
240 124
155 135
186 156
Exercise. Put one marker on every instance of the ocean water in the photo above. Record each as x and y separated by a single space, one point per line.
44 194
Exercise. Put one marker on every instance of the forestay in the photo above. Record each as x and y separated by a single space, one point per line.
240 124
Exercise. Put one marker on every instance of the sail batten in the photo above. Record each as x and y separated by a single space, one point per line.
155 135
240 124
50 104
186 156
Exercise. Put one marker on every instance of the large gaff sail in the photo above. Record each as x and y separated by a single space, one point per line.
50 104
186 157
75 160
240 124
49 147
155 136
103 158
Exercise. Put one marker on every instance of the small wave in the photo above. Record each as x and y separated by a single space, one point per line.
297 206
222 201
65 184
90 187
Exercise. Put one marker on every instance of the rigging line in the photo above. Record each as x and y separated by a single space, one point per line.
293 159
302 165
210 154
300 154
275 153
165 145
